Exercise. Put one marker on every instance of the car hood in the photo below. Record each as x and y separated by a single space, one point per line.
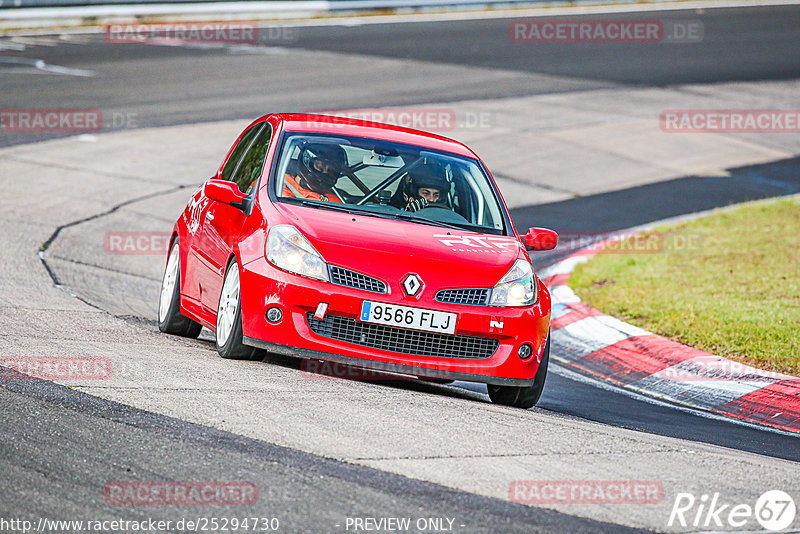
390 249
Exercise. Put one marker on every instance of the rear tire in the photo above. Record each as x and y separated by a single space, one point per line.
229 319
523 397
170 320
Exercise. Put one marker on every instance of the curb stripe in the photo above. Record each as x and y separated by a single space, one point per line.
710 393
776 405
594 333
633 359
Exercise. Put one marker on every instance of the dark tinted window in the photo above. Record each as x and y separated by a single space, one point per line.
236 155
253 161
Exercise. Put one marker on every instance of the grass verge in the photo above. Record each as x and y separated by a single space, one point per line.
728 283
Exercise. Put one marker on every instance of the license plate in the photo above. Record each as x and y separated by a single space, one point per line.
408 317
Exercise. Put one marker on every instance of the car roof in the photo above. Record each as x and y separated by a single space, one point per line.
304 122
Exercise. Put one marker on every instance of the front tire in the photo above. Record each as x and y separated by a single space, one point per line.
229 319
170 320
523 397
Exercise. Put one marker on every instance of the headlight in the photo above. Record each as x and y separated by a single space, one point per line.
517 288
287 249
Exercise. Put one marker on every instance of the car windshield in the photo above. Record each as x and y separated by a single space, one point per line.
387 179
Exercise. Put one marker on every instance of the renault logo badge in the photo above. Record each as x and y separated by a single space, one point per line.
412 285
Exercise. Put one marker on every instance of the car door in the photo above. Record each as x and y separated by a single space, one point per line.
198 263
221 223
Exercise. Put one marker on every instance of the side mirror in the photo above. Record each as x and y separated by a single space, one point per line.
225 192
540 239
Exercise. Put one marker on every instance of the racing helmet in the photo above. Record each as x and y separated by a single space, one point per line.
429 175
321 165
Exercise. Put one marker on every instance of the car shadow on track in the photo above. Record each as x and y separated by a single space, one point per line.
569 397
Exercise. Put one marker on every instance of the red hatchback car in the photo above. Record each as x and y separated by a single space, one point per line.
367 244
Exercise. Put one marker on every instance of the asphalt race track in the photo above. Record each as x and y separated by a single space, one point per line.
324 451
446 61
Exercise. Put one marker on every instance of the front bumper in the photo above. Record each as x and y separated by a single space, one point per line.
264 286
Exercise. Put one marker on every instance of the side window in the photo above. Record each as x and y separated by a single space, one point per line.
252 163
236 155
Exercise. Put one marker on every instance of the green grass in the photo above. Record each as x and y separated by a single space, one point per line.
728 284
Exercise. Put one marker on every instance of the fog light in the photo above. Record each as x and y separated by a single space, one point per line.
274 315
525 351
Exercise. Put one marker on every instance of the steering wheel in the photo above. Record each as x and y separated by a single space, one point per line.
436 205
442 213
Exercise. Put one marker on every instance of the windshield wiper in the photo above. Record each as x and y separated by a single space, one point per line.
358 211
422 220
328 206
347 208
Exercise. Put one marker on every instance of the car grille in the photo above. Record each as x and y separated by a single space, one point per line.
471 297
346 277
401 340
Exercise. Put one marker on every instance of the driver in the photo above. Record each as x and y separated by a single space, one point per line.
319 166
424 185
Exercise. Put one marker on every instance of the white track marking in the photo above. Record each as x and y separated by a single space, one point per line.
8 45
594 333
24 63
564 295
36 41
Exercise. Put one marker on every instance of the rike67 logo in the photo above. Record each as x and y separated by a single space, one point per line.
774 510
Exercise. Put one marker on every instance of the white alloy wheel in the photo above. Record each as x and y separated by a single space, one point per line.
228 304
168 284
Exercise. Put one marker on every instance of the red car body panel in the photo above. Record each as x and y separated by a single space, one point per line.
388 250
